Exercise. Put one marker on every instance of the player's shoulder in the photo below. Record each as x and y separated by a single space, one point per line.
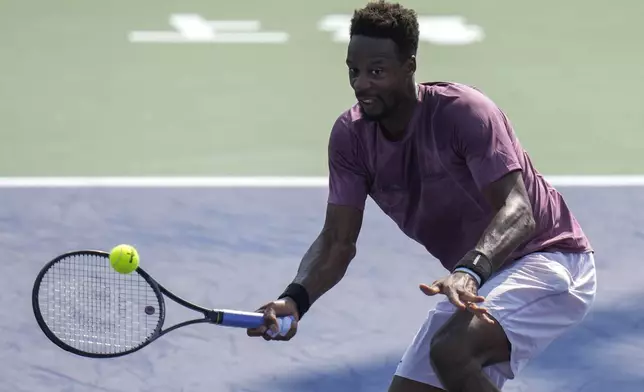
350 121
455 99
351 117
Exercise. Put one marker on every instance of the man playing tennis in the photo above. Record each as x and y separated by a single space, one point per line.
442 160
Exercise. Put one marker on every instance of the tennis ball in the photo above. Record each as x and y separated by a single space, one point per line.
124 258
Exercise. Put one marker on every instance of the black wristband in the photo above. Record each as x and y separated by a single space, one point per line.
300 296
478 263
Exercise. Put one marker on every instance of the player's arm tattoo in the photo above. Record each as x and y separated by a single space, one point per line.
513 223
327 259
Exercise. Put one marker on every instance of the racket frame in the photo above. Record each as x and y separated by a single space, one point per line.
211 316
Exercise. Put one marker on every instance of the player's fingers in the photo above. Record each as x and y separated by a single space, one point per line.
488 318
290 334
483 315
468 296
253 332
270 322
480 312
434 289
474 308
292 331
258 331
262 308
261 330
453 297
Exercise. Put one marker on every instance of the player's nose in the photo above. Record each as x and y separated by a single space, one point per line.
361 86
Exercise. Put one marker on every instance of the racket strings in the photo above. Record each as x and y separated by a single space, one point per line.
94 309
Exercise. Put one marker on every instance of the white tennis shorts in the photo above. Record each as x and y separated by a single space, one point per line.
536 299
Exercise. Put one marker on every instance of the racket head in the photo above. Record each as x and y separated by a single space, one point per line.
87 308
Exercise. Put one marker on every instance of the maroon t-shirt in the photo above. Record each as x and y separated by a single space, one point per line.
429 183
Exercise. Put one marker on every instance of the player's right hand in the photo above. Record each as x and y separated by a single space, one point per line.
272 310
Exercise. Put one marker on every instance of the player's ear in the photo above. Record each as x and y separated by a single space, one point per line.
411 65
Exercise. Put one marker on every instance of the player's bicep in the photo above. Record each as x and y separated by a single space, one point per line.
508 191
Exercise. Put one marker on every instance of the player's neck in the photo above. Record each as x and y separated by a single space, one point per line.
395 125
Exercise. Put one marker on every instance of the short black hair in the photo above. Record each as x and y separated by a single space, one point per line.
380 19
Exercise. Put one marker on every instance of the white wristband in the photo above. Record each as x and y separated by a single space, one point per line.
469 272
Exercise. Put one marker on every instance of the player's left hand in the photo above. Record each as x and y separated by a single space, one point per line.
462 290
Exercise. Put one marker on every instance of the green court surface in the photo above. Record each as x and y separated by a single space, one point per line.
79 97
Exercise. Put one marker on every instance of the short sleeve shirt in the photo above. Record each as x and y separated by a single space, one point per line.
430 182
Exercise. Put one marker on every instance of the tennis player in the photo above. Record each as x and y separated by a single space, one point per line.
443 161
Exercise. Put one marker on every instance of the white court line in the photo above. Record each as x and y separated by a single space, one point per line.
263 182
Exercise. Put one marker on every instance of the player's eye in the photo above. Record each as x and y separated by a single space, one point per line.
377 72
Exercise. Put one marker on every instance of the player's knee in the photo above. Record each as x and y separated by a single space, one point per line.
448 351
468 343
453 359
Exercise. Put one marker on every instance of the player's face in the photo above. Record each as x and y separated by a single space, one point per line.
377 75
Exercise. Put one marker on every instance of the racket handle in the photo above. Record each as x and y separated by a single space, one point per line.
240 319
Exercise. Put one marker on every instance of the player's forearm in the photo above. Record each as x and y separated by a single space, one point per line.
512 225
324 265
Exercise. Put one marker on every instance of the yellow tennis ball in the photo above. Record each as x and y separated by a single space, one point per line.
124 259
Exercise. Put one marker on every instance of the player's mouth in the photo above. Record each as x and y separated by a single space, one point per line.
367 102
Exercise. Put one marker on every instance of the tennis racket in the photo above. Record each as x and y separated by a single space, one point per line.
85 307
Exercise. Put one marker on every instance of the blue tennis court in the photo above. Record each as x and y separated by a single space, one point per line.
238 247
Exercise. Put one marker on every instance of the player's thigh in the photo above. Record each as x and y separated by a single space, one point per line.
538 299
416 364
534 301
402 384
470 335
